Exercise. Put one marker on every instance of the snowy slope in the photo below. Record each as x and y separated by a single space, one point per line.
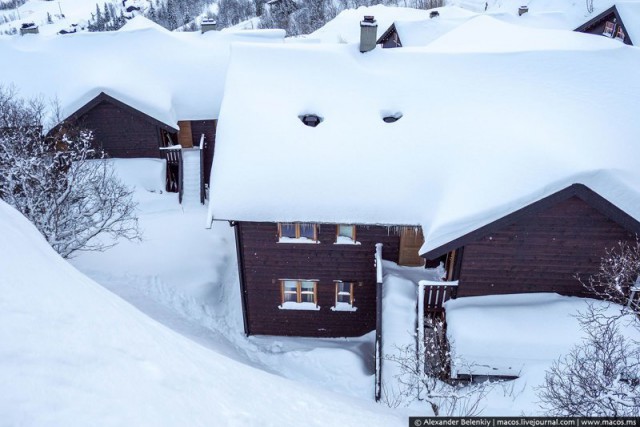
73 354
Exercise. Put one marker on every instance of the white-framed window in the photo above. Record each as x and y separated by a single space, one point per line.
344 296
297 232
620 34
299 294
609 28
346 235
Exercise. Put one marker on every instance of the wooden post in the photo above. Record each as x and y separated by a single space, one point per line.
378 349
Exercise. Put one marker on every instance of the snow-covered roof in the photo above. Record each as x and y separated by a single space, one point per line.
485 33
345 28
424 31
168 76
481 134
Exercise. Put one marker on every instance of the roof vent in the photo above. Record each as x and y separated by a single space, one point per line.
434 14
522 10
392 118
368 34
208 24
311 120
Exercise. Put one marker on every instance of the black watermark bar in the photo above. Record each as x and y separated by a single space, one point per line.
524 422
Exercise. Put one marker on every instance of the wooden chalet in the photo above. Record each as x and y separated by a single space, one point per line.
317 280
542 247
619 22
124 131
499 209
143 91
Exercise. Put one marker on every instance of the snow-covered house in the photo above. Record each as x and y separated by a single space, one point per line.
420 32
502 152
620 22
138 89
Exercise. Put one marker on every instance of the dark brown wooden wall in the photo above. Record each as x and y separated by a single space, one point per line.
266 261
540 253
208 128
120 133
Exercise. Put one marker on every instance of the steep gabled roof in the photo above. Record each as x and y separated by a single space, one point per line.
627 14
103 97
581 191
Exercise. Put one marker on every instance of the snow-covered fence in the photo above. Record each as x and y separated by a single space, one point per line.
433 295
173 155
378 355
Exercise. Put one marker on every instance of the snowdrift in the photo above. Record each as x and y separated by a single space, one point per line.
72 354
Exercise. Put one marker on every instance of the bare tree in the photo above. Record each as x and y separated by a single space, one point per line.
60 182
601 376
589 6
619 269
424 376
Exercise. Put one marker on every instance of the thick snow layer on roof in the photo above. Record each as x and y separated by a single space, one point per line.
481 134
169 76
487 34
630 14
510 334
345 28
74 354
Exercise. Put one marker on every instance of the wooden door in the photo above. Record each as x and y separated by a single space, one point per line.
184 134
411 241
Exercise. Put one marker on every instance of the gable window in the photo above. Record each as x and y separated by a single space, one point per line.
620 34
344 296
609 28
297 232
346 235
299 294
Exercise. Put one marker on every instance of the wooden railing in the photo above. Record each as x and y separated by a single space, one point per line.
173 155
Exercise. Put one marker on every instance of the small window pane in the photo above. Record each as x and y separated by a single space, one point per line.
344 287
290 285
344 298
307 291
345 231
608 29
307 230
307 297
288 229
308 286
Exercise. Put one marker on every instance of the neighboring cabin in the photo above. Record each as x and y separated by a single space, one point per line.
620 22
140 89
526 195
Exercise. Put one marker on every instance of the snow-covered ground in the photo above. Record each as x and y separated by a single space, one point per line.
74 353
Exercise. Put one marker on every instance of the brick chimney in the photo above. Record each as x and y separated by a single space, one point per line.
368 34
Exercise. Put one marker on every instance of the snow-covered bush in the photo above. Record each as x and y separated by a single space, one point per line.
60 182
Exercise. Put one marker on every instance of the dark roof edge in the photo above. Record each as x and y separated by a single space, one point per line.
589 196
108 98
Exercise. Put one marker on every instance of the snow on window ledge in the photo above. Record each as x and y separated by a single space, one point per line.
290 305
298 240
344 240
343 306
